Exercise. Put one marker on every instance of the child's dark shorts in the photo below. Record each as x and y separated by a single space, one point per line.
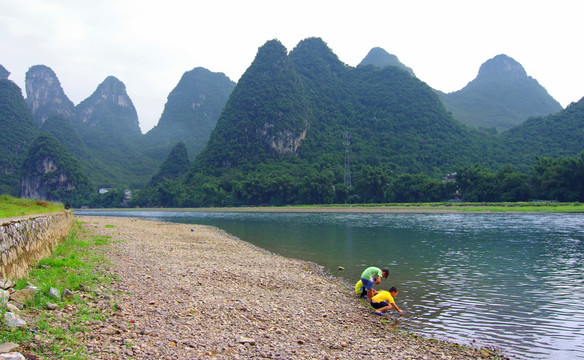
379 305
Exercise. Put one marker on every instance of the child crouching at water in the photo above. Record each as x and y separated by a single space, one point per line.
384 301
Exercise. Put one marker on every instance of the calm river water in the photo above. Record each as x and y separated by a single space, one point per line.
514 282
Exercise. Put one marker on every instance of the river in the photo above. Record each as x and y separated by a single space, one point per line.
514 282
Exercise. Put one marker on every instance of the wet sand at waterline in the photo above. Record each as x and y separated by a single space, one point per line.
195 292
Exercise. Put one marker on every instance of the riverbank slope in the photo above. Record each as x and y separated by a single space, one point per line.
195 292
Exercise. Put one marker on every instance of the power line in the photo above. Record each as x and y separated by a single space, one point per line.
347 142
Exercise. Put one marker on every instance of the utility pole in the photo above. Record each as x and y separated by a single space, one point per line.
347 142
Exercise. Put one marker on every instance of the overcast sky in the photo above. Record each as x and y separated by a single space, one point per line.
148 45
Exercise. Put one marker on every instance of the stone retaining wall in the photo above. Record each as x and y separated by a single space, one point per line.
24 241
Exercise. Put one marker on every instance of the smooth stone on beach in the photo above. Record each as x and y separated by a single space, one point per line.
7 347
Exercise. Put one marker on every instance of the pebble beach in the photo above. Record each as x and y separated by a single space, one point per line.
195 292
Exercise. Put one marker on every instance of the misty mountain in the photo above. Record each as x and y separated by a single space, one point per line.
108 124
101 132
109 111
284 129
190 113
500 97
381 58
45 96
4 74
300 106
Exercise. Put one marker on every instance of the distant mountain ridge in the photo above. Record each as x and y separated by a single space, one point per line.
106 122
289 116
309 99
190 113
103 132
45 96
501 97
380 58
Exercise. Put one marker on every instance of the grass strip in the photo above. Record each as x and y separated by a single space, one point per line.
486 207
77 264
13 207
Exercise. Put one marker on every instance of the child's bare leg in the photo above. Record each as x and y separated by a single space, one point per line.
383 309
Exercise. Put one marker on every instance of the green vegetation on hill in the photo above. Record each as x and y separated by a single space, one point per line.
284 127
500 97
251 130
560 179
402 141
51 171
17 131
175 165
556 135
312 100
190 113
285 130
62 129
108 125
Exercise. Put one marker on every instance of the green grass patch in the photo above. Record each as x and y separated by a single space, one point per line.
13 207
550 207
511 207
58 334
102 240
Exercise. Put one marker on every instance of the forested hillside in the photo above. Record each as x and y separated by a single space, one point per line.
300 127
556 135
50 172
500 97
301 106
381 58
18 131
251 130
290 121
190 113
175 165
108 123
62 129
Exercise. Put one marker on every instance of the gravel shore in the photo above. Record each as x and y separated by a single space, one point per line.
195 292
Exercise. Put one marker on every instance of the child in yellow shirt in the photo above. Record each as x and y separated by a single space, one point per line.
384 301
